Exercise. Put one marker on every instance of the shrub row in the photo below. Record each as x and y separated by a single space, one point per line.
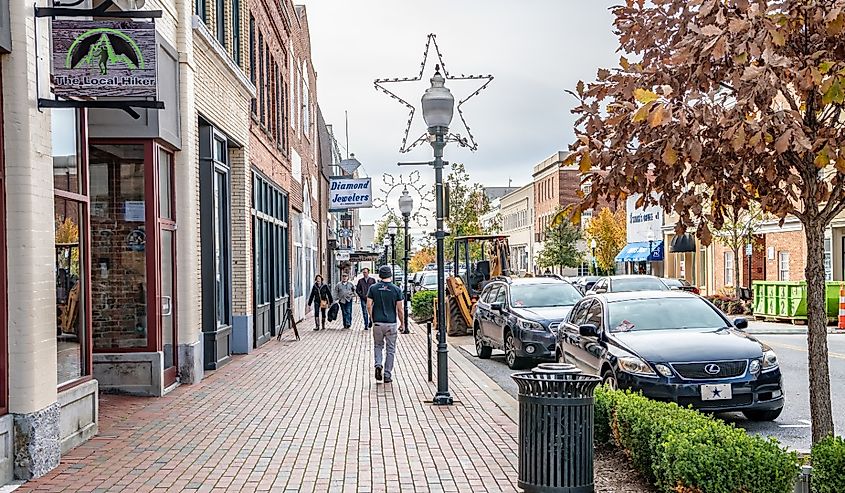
731 305
828 459
684 451
422 305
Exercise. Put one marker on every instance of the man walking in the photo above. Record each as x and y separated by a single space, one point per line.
344 293
384 302
361 289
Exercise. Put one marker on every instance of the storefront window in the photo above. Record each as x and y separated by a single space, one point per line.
70 207
118 249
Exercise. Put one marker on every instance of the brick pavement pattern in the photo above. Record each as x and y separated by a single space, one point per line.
302 416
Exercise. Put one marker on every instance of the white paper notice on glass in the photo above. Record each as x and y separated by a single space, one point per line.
133 211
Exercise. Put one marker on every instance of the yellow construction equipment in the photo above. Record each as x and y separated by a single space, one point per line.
477 260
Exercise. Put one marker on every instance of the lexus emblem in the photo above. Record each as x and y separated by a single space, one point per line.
712 369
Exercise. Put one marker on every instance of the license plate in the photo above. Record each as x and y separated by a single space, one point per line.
716 392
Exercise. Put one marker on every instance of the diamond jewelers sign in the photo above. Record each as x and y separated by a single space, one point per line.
104 58
350 193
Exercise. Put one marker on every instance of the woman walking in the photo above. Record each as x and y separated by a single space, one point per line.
321 298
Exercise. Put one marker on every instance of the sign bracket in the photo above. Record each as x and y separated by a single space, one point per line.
66 10
125 105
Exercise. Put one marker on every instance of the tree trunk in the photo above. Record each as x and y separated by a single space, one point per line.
821 414
736 271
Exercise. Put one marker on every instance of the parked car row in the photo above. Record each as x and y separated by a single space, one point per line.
635 333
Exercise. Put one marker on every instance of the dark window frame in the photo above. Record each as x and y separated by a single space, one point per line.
252 67
220 22
236 31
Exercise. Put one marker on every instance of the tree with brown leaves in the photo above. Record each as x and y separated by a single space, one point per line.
726 103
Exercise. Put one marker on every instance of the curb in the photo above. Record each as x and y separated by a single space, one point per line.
499 397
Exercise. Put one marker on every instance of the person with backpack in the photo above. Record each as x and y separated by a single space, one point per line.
344 293
361 289
321 298
384 302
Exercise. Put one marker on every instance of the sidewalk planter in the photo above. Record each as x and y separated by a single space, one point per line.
422 305
682 450
828 459
787 300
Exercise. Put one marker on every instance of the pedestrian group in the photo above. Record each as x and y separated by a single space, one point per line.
382 306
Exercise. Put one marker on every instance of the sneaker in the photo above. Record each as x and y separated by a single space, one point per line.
388 379
378 373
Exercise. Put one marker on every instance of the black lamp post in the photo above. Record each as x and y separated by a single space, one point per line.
438 107
391 231
593 245
406 206
386 243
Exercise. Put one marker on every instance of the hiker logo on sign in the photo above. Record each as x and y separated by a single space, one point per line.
104 46
104 58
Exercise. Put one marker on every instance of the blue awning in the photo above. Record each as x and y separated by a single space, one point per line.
638 251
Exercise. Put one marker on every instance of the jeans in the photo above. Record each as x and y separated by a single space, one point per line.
385 333
346 309
317 312
366 313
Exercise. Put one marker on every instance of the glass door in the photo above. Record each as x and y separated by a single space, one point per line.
167 266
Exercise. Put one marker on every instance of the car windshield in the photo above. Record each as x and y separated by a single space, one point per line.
429 279
627 284
665 313
673 283
543 295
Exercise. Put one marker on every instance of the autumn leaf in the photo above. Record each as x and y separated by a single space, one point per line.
825 67
670 156
656 117
623 62
834 93
777 37
580 88
782 143
642 113
586 162
645 96
823 157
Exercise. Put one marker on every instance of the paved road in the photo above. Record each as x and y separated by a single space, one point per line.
791 428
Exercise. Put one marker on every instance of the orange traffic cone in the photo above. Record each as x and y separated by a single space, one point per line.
841 325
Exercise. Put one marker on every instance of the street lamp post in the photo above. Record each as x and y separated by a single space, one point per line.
593 245
386 243
438 106
650 236
391 230
406 206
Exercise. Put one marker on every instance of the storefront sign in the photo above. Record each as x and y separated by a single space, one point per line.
342 255
642 221
104 58
350 193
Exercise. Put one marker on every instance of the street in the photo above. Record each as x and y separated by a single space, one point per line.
792 428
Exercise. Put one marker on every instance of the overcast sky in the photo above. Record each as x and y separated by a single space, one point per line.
534 48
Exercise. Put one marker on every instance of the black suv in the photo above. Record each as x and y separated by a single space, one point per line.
521 317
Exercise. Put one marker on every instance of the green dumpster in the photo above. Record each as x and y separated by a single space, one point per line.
788 299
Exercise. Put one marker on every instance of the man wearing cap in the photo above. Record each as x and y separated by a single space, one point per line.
384 304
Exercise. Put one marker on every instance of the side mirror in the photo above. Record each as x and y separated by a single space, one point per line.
588 330
600 290
496 307
741 323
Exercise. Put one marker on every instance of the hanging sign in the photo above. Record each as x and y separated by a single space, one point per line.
350 193
104 58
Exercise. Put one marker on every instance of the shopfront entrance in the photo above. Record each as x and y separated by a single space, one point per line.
133 257
271 255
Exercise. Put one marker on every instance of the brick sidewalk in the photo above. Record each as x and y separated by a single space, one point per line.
302 416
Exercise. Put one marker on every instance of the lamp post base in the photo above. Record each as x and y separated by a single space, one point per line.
442 399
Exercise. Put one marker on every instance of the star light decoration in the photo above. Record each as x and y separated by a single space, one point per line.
468 142
423 195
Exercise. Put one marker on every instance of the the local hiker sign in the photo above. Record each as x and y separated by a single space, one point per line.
104 58
350 193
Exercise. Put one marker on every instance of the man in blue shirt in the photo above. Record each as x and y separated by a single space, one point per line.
384 304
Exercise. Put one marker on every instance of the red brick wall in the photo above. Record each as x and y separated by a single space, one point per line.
792 242
758 261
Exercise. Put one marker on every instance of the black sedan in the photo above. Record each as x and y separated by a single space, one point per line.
673 346
520 317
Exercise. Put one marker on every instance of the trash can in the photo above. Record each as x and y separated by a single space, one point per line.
556 429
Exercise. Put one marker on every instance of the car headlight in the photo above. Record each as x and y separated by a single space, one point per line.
530 325
770 360
664 370
635 366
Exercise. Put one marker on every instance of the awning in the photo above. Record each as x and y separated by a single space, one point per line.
682 244
639 252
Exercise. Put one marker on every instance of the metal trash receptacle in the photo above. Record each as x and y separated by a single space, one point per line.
556 429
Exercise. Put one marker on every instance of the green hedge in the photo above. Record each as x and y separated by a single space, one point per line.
422 305
828 459
684 451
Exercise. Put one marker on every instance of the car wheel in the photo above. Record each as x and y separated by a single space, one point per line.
514 362
762 415
481 350
609 379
